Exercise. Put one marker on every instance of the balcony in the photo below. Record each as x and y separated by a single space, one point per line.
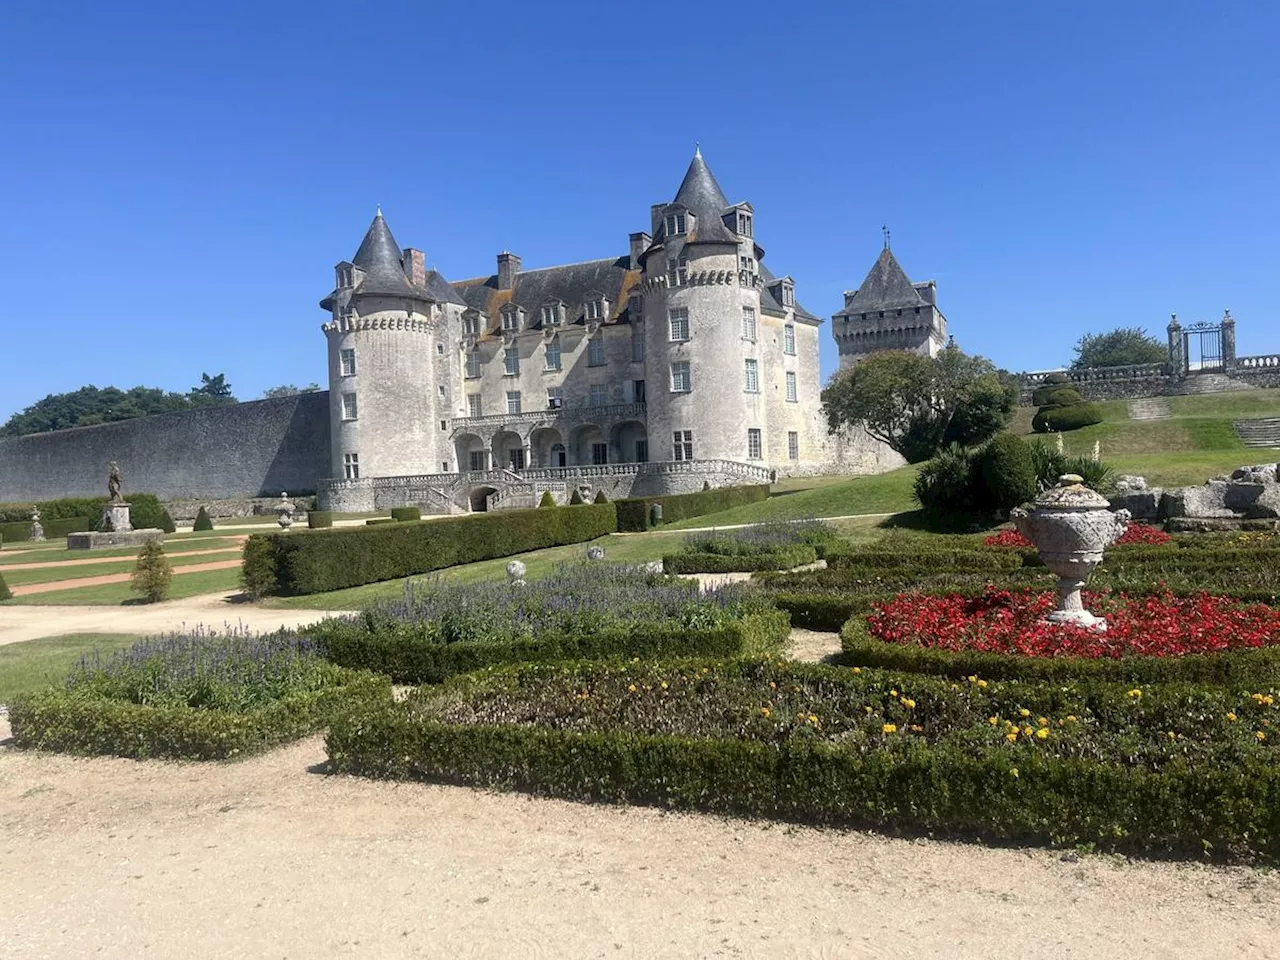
552 416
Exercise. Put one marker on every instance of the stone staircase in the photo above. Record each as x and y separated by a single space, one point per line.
1198 383
1263 432
1153 408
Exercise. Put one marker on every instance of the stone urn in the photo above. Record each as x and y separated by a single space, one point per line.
37 529
284 513
515 573
1071 526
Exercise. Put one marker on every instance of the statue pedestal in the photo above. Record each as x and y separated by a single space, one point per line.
115 517
37 532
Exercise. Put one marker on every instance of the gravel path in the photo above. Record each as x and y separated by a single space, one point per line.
22 590
116 858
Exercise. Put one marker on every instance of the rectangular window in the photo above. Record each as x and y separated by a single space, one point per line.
471 326
510 320
347 358
642 451
349 406
515 458
793 445
679 325
599 395
638 391
474 405
677 271
635 306
753 377
749 323
345 277
681 380
676 224
444 424
595 352
599 453
476 460
440 349
683 448
473 365
744 224
637 349
789 339
551 314
791 387
440 389
754 445
555 398
553 353
351 466
511 361
513 401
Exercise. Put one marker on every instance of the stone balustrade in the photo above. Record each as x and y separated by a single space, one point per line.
1267 361
551 416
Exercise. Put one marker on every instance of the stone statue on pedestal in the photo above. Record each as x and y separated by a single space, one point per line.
114 482
37 530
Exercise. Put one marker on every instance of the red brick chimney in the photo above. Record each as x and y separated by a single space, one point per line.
415 266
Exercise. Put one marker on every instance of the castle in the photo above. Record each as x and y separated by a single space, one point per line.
889 312
685 361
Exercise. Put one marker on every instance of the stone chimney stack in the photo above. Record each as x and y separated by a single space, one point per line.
848 297
655 216
639 244
415 266
508 267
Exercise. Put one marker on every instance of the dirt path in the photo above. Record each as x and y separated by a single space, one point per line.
90 561
22 590
212 610
116 858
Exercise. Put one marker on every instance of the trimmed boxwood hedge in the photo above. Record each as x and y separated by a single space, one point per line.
634 513
5 592
1225 810
56 719
1255 667
303 562
782 558
53 529
405 514
320 519
398 649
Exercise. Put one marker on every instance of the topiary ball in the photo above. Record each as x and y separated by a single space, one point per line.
1008 472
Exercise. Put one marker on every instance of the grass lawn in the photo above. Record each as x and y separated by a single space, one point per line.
57 550
51 574
116 594
40 663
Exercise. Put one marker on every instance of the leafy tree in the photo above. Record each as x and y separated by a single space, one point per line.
1121 347
917 404
289 390
212 391
92 405
152 574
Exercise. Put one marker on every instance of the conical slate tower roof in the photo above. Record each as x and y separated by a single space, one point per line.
381 260
885 288
701 195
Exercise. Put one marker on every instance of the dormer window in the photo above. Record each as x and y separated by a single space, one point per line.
346 278
471 325
744 224
552 314
788 294
595 309
510 320
676 224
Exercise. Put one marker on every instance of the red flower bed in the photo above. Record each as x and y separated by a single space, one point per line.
1003 621
1137 533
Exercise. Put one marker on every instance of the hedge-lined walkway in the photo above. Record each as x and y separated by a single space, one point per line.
22 590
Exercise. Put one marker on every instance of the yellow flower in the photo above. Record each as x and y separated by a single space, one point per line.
1013 771
1231 717
1071 718
1024 712
889 728
1135 693
1260 735
813 719
772 685
982 683
857 669
916 728
1012 737
1043 721
764 711
1028 731
869 710
893 693
908 703
1042 734
993 720
631 688
973 679
664 684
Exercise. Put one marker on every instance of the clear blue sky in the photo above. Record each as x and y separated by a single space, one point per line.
178 180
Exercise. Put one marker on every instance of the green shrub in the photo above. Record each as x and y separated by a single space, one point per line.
53 529
316 562
202 521
1061 419
547 499
5 592
258 568
1008 473
152 574
830 746
319 519
377 520
1050 466
600 497
166 522
575 499
146 512
634 513
945 484
778 558
406 514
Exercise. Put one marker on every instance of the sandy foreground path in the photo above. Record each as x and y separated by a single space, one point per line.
212 610
116 858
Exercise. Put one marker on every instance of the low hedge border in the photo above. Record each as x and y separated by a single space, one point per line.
783 558
53 529
1257 667
60 721
398 650
635 513
318 561
1231 811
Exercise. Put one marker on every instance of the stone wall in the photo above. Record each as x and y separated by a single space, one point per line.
1133 383
246 450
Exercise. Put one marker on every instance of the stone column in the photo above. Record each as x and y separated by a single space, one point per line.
1228 342
1177 349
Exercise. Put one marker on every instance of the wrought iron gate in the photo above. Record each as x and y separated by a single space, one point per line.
1202 347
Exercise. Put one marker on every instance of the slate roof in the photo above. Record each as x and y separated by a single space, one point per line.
885 288
701 195
382 262
773 304
573 284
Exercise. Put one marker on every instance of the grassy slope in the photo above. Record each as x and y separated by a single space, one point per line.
39 663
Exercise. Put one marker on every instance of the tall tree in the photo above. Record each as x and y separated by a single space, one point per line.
289 390
1120 347
211 391
916 404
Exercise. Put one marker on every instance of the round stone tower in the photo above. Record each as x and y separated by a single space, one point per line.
387 363
701 317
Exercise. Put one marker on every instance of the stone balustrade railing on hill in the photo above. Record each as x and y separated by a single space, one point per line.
1138 380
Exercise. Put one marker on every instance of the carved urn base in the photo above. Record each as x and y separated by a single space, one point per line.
1070 610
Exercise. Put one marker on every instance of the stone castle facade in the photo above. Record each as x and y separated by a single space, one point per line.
889 312
683 361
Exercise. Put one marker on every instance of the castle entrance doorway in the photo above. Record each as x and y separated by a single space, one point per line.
479 498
